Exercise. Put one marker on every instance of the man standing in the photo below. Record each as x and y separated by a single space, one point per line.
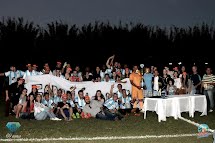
14 93
196 81
208 83
12 76
158 84
137 92
148 82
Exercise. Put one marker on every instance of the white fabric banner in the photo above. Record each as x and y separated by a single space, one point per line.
56 83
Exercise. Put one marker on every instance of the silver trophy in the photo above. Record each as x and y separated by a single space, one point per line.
142 72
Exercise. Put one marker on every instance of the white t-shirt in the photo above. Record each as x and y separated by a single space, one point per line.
177 82
102 74
109 71
156 85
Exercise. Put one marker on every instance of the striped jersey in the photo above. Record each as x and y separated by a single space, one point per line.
47 103
81 102
14 75
126 103
111 104
208 79
28 73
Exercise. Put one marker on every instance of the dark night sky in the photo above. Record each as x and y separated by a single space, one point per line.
153 12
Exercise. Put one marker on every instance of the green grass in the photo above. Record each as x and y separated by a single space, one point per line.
131 126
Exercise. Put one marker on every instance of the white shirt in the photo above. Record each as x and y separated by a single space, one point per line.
57 99
109 71
13 75
177 82
123 71
156 85
102 74
119 94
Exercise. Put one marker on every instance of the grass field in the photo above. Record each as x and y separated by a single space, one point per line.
131 126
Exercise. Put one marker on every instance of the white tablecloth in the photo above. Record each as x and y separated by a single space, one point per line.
174 105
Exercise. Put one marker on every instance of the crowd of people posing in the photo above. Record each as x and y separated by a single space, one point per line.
146 82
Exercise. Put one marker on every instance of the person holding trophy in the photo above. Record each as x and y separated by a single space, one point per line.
137 91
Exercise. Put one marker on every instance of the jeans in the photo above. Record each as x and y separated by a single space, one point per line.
43 115
210 99
106 115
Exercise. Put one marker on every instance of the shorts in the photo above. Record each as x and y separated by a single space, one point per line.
137 93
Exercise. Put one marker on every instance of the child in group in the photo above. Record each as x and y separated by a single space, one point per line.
171 88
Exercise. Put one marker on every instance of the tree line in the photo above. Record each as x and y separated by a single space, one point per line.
97 41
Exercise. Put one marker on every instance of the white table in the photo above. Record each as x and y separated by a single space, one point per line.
174 105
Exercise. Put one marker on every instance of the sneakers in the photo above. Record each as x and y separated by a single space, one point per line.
210 110
55 119
73 116
142 110
77 115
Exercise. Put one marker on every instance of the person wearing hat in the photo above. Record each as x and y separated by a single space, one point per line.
65 108
84 114
34 91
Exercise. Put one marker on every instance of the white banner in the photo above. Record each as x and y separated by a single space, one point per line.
41 81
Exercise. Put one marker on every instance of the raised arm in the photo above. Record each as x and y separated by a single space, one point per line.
110 61
64 66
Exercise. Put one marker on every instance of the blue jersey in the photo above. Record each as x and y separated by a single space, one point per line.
148 80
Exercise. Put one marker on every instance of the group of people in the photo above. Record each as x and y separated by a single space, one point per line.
145 81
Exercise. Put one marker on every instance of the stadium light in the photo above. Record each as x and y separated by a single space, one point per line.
179 63
206 63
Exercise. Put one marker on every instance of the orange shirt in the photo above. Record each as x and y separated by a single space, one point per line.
136 78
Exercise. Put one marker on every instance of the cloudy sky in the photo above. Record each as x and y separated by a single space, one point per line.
153 12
